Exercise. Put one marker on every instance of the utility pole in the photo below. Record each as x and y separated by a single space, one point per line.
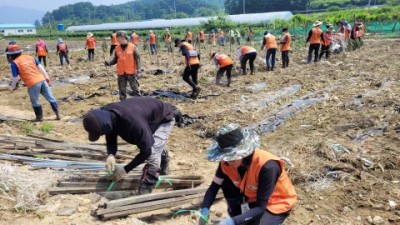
175 8
244 6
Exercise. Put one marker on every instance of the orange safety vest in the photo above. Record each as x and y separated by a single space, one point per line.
316 36
152 38
326 36
189 36
192 60
62 47
41 50
28 71
286 46
114 40
270 42
245 49
201 34
135 39
168 37
223 60
284 195
126 64
91 43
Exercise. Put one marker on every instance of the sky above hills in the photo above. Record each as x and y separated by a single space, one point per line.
49 5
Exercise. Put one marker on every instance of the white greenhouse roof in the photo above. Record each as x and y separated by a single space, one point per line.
165 23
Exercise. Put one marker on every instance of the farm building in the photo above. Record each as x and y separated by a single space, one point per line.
187 22
17 29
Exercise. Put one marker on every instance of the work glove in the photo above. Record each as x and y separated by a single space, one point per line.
203 220
118 174
106 63
110 164
226 221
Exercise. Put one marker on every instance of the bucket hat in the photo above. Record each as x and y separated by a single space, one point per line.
13 49
233 143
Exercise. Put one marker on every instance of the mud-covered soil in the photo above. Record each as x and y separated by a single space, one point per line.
360 111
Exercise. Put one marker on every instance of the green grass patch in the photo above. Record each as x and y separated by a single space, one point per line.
27 127
46 127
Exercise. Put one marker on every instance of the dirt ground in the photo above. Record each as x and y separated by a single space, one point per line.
357 184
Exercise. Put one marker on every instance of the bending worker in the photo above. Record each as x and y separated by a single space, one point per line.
143 121
224 63
254 182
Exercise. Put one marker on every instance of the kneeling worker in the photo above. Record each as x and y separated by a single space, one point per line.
254 182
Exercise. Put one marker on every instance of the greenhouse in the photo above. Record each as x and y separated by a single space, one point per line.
187 22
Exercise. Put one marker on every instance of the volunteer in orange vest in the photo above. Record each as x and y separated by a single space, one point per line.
213 37
247 53
41 51
168 40
127 59
34 76
62 51
152 40
114 41
201 38
192 63
326 45
254 182
250 35
135 38
224 63
221 37
90 46
315 36
270 44
285 47
189 36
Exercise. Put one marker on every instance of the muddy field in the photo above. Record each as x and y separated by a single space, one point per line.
336 124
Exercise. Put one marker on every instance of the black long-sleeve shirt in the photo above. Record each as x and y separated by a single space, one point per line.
267 178
135 120
135 53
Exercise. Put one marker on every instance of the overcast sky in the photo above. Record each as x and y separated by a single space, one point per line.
49 5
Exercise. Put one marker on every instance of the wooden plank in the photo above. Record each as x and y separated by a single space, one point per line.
45 138
153 196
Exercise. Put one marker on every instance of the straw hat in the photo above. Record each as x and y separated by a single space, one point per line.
233 143
317 23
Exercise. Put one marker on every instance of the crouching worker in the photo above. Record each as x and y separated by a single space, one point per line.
225 64
35 77
143 121
254 182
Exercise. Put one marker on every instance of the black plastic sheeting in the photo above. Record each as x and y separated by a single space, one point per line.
180 96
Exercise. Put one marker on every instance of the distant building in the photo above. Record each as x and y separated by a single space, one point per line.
17 29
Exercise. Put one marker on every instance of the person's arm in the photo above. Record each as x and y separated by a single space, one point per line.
309 36
137 60
36 49
112 146
267 179
185 52
216 62
42 70
145 142
45 47
14 78
212 191
284 40
114 60
263 43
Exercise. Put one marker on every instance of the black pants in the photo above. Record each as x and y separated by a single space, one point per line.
123 81
63 55
190 75
91 54
313 48
325 50
234 200
112 49
221 72
42 58
285 59
248 57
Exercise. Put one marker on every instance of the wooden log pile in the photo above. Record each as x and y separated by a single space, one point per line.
58 149
150 202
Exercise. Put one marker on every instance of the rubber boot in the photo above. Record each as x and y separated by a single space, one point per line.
39 113
268 68
54 106
229 82
164 163
272 68
148 180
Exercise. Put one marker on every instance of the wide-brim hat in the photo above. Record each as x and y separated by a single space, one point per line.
13 49
90 34
233 143
317 23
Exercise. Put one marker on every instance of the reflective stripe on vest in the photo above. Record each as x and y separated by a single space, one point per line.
224 60
126 64
286 46
152 38
284 195
270 41
114 40
316 36
192 60
247 49
28 71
